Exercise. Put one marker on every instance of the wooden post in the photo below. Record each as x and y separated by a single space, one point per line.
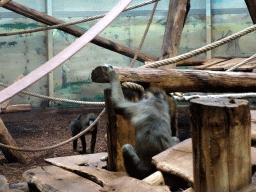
119 131
6 138
251 5
177 14
221 137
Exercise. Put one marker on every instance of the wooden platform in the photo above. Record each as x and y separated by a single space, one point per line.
84 173
220 64
178 160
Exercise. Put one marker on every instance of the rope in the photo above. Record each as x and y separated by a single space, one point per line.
135 86
200 50
56 145
145 34
242 63
58 99
73 22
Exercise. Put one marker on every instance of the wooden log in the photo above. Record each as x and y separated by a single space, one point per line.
175 80
17 108
251 5
221 144
77 32
119 131
6 138
176 17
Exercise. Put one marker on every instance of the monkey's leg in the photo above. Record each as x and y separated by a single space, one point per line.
133 164
83 144
74 145
93 140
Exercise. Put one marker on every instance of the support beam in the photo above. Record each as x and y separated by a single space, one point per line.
177 14
175 80
50 53
102 42
251 5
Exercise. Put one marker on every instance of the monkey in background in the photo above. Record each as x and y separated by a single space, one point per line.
151 120
78 125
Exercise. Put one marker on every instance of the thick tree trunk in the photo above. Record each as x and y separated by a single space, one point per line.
174 80
177 14
221 137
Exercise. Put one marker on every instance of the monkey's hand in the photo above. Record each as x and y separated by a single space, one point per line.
111 72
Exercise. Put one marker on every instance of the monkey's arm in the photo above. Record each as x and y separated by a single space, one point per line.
117 93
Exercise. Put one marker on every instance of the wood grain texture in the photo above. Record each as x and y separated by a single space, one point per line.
87 167
54 179
209 63
223 66
175 80
221 134
176 17
119 132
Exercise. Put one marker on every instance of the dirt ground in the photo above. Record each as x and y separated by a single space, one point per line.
44 127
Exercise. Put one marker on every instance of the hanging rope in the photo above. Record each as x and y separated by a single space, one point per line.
73 22
144 35
56 145
200 50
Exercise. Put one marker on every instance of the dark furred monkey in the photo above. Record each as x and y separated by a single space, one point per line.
151 120
78 125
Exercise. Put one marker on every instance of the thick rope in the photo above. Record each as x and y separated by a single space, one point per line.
56 145
200 50
134 86
242 63
73 22
144 35
58 99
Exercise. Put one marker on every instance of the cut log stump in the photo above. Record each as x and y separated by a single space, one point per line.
221 135
6 138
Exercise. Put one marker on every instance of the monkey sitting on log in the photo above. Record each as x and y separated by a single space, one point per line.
151 120
78 125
